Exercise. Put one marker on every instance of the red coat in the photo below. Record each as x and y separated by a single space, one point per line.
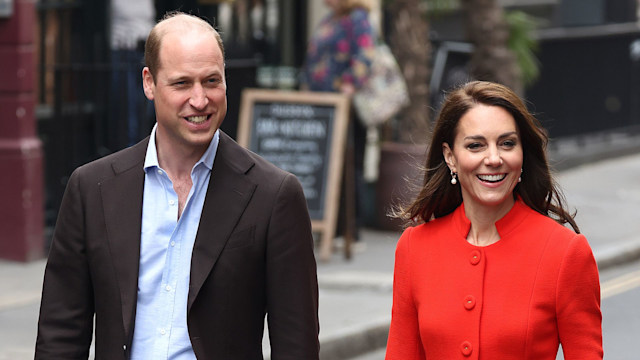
515 299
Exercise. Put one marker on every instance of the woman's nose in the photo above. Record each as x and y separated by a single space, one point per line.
493 158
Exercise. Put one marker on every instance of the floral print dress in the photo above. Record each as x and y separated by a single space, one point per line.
340 51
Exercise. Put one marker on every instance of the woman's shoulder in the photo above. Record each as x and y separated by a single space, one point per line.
560 238
544 223
431 229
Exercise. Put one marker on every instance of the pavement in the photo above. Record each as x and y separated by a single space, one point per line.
599 174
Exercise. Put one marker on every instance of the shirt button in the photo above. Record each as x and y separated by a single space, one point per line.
469 302
466 348
168 288
159 172
163 331
173 243
475 257
172 202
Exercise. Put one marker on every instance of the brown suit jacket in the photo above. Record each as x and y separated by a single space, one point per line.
253 255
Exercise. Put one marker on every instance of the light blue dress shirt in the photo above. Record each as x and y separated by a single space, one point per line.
165 258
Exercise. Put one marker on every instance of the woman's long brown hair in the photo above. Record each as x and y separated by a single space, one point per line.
538 189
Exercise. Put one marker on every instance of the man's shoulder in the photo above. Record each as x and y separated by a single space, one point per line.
118 161
246 161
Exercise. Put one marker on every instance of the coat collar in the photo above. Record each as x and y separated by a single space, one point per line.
122 204
505 225
227 197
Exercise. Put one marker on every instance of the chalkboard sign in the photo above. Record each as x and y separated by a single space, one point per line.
303 133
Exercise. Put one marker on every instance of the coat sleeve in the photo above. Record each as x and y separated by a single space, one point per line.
404 333
292 283
578 303
65 326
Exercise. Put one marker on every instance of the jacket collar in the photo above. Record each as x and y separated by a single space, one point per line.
505 225
122 206
227 197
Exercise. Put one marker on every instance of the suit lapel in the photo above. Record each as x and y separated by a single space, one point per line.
122 201
228 195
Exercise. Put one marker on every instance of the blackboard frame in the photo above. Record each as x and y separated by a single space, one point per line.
326 223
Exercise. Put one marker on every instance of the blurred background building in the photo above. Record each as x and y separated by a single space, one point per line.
588 56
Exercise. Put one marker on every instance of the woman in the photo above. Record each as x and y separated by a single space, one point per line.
341 49
490 273
338 59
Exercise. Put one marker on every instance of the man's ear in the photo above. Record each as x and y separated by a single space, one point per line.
448 157
147 83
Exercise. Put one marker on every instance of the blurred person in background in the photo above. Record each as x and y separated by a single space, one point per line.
338 59
180 245
488 270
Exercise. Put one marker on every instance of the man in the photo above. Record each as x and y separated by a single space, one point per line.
182 243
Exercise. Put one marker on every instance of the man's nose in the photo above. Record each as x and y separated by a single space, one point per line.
198 98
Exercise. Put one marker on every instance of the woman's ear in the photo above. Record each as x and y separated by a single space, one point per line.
449 158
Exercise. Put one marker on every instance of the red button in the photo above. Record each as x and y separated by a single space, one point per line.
466 348
475 257
469 302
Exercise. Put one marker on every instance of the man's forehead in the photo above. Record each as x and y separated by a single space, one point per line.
178 34
167 51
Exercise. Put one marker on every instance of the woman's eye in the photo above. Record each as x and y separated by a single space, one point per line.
509 143
474 146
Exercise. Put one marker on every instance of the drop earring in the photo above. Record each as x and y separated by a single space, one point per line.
520 177
454 178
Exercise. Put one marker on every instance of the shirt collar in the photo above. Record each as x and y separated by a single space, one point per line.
151 158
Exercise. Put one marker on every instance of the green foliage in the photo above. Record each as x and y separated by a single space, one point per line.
523 44
437 7
521 39
433 7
